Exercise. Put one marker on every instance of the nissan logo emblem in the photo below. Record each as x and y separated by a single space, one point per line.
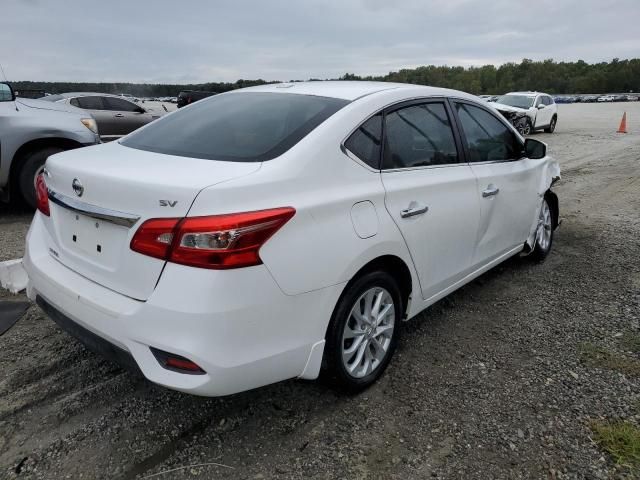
77 187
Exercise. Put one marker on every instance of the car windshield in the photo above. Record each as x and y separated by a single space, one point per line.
519 101
236 127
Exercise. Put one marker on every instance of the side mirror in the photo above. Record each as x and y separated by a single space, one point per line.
6 93
140 110
541 106
534 149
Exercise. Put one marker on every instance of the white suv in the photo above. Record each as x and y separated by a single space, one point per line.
540 109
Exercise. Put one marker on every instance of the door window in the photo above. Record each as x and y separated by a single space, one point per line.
88 103
488 139
419 135
366 141
120 105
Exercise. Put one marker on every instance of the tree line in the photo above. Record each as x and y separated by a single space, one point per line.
617 76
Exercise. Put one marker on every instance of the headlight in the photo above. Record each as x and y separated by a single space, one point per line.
91 124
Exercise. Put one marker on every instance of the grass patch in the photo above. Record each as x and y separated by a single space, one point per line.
631 342
621 440
600 357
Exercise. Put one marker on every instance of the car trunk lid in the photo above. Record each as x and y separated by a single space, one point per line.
101 195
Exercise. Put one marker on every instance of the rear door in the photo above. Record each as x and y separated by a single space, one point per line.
430 193
127 115
506 181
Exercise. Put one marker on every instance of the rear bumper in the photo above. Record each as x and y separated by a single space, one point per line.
237 325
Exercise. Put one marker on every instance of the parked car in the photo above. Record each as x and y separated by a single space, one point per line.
189 96
541 110
268 233
128 96
619 98
565 99
589 98
30 131
116 116
632 98
605 98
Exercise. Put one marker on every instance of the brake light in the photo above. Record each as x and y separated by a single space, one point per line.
216 242
42 195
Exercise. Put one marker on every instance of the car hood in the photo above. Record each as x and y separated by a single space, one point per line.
55 106
506 108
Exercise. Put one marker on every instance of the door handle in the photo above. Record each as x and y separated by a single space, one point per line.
490 191
413 211
119 115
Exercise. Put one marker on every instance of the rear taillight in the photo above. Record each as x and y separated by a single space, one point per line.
42 195
217 242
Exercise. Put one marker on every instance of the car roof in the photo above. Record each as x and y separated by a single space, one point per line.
346 89
86 94
526 94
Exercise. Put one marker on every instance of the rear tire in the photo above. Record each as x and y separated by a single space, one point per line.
552 125
32 164
363 332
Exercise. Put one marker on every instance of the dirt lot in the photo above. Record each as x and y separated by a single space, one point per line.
503 379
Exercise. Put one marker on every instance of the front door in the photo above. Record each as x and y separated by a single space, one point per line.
127 115
506 191
430 194
544 113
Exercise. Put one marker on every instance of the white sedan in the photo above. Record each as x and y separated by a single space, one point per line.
283 230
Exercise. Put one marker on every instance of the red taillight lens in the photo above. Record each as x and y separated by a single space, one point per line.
174 362
217 242
42 195
154 237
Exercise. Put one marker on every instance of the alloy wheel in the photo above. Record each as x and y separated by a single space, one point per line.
368 332
543 232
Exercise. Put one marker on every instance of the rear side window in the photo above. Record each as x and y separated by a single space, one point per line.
89 103
366 141
236 127
488 139
419 135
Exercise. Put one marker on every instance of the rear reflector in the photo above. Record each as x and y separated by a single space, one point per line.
42 195
177 363
215 242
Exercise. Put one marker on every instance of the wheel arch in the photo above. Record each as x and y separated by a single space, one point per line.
394 266
35 145
552 200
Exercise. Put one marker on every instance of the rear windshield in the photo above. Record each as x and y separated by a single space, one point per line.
236 127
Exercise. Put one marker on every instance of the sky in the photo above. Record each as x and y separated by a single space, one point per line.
197 41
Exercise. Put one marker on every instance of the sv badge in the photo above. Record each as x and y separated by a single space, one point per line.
168 203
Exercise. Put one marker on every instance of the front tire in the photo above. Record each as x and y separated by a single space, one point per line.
31 166
544 233
363 332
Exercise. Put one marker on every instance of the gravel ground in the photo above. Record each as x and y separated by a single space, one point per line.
486 384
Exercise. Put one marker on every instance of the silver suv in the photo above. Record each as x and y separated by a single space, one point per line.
31 131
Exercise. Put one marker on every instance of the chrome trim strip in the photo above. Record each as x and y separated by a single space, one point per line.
112 216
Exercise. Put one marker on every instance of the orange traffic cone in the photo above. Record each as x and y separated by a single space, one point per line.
623 124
